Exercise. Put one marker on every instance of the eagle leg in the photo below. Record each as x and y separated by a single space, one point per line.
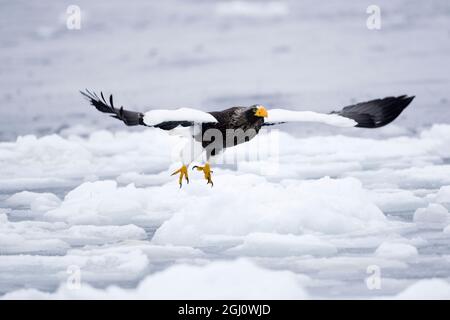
183 173
206 172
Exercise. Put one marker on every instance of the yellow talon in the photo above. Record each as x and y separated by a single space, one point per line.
206 172
183 173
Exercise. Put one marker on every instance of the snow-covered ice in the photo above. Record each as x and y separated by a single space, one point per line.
79 191
282 208
435 215
282 245
218 280
318 228
396 250
443 196
426 289
37 202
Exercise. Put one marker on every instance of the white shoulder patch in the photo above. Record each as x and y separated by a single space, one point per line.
155 117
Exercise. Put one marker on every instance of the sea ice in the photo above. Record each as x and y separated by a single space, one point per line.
433 216
37 202
239 279
326 206
443 196
279 245
392 250
427 289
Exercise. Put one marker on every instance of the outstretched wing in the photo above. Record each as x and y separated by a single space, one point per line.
370 114
163 119
130 118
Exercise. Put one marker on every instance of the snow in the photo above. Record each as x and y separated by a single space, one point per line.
287 208
447 229
104 203
15 243
282 245
238 279
57 238
120 266
99 202
443 196
121 217
397 200
37 202
433 216
430 289
394 250
154 117
54 161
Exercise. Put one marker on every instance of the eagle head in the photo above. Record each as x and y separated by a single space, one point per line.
259 111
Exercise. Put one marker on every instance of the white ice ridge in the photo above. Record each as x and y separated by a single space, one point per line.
282 115
392 250
154 117
327 206
427 289
433 216
26 237
238 279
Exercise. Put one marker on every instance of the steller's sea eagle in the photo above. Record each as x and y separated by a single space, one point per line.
237 125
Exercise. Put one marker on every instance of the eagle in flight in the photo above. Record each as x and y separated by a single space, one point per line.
214 131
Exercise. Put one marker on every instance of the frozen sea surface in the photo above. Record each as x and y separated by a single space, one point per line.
338 213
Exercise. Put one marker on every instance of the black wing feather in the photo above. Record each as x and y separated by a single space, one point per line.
376 113
130 118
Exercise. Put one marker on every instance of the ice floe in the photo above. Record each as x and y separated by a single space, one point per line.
282 245
443 196
327 206
433 216
238 279
56 238
428 289
36 202
396 250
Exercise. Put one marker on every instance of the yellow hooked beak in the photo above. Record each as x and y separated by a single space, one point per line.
261 112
